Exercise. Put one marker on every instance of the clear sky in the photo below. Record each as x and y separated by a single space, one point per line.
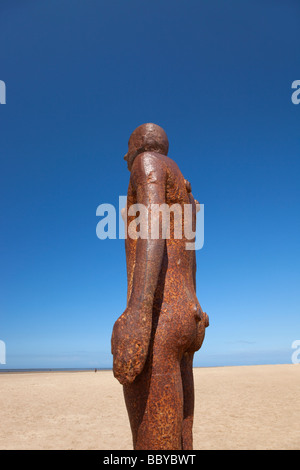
80 75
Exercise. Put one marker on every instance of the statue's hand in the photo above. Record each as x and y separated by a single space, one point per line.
129 344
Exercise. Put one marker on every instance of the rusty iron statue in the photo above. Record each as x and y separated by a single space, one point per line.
154 340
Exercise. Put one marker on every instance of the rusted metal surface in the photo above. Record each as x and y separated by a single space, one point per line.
163 325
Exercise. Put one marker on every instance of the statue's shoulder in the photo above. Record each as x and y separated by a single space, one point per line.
152 158
148 164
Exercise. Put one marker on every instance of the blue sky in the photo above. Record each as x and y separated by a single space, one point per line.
80 76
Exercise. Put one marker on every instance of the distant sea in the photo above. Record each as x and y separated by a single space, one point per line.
5 371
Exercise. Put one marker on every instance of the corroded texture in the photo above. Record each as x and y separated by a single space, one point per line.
154 340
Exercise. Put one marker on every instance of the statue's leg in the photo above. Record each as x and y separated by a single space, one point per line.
188 400
155 404
136 396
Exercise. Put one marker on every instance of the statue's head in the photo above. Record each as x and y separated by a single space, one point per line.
146 138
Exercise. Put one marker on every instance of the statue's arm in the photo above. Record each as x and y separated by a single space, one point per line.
149 181
132 331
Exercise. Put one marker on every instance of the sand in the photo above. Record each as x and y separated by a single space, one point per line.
249 407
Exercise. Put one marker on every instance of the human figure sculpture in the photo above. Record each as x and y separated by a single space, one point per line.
154 340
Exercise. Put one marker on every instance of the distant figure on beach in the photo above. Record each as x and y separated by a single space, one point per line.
154 340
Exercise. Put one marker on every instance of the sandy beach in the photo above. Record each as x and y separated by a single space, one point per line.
247 407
